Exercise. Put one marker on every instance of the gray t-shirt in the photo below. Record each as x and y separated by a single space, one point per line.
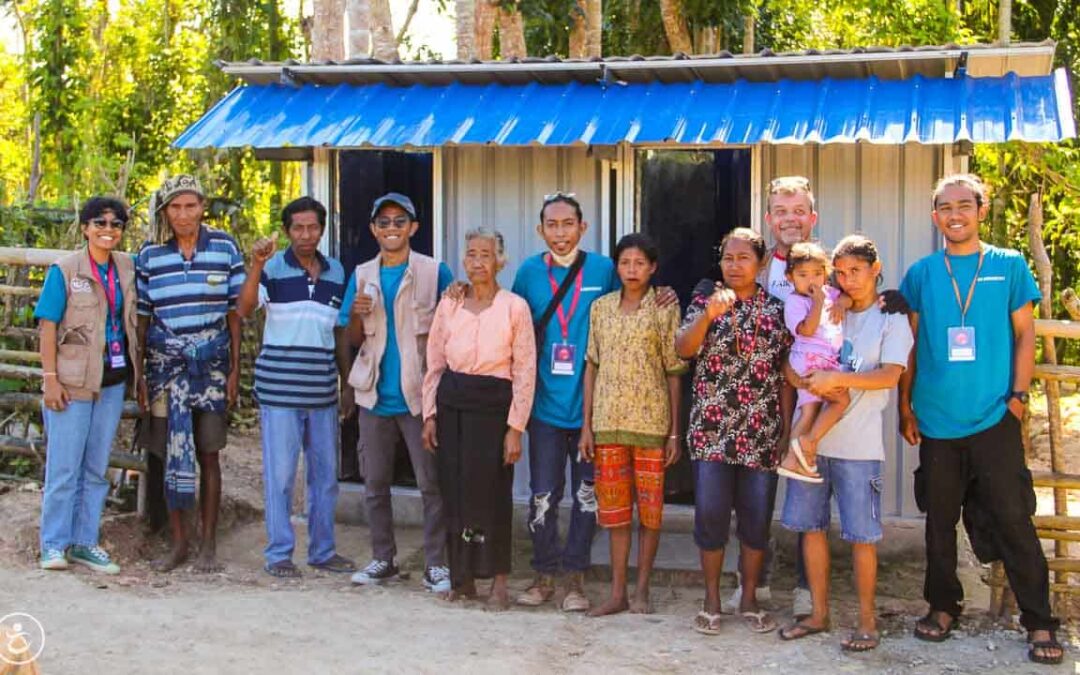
871 338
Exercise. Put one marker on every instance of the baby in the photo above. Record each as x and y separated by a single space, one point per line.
816 347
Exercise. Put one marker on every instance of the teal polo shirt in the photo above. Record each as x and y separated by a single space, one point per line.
956 399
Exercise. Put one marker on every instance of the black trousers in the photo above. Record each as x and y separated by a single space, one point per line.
985 471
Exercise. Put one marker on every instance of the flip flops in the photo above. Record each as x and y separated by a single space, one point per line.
799 630
758 622
929 629
707 623
283 569
861 642
1042 659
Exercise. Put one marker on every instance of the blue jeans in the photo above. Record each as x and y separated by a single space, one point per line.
720 487
284 432
856 484
80 438
549 449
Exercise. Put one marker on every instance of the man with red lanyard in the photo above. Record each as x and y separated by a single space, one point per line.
560 286
961 401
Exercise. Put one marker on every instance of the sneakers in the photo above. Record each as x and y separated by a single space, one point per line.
95 558
540 591
731 604
437 579
376 572
801 605
575 599
54 559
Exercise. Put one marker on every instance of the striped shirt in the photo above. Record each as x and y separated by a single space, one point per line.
296 367
187 296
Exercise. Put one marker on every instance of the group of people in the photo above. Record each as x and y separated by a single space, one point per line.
794 351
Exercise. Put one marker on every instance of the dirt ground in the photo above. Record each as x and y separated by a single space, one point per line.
243 621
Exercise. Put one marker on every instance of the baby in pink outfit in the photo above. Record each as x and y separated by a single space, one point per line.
817 344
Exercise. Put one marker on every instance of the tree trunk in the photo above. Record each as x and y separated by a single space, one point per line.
465 25
487 12
384 43
511 32
360 23
579 30
675 27
328 31
748 34
594 29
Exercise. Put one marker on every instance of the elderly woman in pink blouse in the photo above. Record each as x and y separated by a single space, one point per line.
478 393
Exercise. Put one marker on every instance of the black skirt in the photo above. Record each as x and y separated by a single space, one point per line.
477 487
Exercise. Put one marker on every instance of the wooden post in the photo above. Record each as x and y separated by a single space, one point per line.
1045 272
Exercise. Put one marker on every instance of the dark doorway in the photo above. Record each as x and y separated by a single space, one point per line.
365 175
687 201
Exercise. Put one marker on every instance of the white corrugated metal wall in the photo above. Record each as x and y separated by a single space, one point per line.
881 191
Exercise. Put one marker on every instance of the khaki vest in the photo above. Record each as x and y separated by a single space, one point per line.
414 310
80 335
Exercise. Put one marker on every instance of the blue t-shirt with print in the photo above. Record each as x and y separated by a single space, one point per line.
955 399
559 398
53 301
391 399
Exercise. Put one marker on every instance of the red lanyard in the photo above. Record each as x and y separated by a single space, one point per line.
110 294
564 318
964 306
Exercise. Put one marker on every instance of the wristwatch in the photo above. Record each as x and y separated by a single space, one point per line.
1022 396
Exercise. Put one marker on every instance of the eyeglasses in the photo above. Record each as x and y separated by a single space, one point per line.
102 223
400 222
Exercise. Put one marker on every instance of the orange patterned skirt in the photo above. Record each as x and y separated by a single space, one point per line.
621 471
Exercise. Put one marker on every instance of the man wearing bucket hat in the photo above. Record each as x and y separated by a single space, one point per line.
388 309
190 332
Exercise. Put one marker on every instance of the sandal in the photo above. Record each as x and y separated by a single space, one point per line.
799 630
861 642
1045 645
283 569
796 449
929 629
707 623
338 564
758 622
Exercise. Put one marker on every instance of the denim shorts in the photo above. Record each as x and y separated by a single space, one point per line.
857 487
721 487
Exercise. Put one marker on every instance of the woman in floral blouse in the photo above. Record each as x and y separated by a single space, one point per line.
739 419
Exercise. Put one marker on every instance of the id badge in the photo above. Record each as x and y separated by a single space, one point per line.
116 355
562 359
962 343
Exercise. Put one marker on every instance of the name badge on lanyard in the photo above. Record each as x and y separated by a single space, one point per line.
563 361
961 339
115 347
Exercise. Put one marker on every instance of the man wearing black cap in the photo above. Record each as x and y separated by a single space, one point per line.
388 308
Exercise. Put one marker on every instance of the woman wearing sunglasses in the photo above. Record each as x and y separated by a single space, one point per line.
86 313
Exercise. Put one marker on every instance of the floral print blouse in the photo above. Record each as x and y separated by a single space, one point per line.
735 412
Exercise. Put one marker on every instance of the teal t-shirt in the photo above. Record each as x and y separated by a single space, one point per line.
955 399
391 399
52 302
559 398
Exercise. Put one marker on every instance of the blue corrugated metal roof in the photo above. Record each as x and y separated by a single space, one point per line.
924 110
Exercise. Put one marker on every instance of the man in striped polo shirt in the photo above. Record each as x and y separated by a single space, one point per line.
296 382
190 332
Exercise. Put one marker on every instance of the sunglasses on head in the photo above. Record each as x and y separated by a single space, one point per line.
560 196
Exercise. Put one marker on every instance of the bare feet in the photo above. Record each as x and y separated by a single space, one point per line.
499 599
612 605
177 556
466 591
640 604
207 562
